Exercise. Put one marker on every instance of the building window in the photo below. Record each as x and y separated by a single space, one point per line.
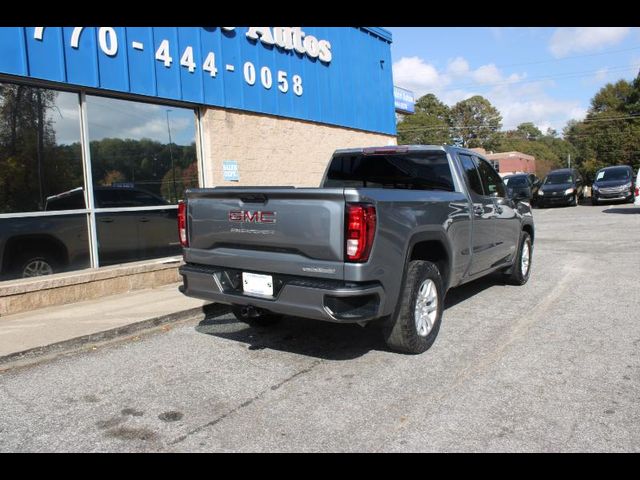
41 183
141 159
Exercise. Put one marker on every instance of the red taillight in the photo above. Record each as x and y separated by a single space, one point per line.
360 228
637 191
182 223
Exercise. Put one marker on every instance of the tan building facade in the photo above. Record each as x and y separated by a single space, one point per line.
271 150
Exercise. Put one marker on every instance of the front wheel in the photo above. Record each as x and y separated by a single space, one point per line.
415 324
521 269
35 264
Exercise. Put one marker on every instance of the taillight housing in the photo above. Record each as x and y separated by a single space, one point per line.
360 228
182 223
637 191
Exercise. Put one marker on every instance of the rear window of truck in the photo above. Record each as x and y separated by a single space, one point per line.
413 171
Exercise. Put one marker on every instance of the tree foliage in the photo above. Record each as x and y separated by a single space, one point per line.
429 125
610 133
477 122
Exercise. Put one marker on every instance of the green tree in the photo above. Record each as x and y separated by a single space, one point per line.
610 133
476 123
428 125
528 131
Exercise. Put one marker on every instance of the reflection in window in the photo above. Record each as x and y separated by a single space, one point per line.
142 147
40 154
142 156
43 245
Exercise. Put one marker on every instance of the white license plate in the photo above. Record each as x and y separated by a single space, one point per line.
259 284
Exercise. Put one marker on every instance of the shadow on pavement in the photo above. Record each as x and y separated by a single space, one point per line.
623 211
330 341
468 290
326 340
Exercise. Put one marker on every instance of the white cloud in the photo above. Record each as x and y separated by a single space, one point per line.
567 40
487 74
518 102
414 74
458 66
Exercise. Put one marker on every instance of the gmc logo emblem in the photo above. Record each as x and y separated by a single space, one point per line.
247 216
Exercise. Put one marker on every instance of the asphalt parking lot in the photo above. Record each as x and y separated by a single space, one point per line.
550 366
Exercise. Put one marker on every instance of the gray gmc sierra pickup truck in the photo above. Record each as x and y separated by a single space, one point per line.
389 231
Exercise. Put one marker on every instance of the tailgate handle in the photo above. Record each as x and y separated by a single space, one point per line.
254 198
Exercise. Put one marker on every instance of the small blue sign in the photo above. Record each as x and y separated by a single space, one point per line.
230 171
404 100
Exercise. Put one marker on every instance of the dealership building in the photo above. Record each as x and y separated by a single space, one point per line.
103 128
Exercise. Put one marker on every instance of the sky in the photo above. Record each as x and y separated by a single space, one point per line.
543 75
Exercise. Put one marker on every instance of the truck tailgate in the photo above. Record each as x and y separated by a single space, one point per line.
301 221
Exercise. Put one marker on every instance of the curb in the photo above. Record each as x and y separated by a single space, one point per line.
71 345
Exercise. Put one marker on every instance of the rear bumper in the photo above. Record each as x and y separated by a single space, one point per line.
320 299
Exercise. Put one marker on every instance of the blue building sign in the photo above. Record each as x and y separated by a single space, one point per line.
334 75
404 100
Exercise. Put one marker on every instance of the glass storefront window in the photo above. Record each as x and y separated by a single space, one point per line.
143 157
40 171
142 146
40 153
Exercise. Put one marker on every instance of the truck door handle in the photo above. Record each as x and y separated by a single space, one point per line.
144 219
106 219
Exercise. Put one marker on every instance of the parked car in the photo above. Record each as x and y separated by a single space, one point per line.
522 186
613 183
384 237
637 190
561 187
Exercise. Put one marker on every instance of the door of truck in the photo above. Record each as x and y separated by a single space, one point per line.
505 221
483 210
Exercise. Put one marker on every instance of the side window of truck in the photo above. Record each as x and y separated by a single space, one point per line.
491 181
471 174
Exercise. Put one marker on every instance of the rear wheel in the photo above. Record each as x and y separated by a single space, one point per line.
415 325
521 269
255 316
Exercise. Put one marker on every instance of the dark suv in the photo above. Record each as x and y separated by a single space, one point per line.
613 183
561 187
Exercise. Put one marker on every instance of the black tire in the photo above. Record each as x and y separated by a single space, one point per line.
594 201
35 264
515 275
260 318
400 330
